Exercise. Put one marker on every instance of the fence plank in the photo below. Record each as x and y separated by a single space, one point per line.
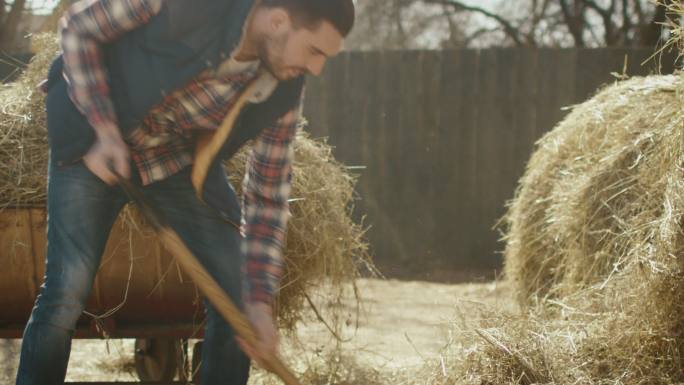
391 237
457 128
375 203
524 92
428 178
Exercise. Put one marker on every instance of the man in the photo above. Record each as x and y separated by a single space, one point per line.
138 85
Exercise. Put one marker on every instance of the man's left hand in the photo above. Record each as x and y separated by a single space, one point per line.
260 315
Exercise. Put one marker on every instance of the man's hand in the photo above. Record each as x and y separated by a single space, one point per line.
108 152
261 317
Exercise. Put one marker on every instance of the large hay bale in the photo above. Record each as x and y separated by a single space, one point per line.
595 238
595 243
603 194
324 245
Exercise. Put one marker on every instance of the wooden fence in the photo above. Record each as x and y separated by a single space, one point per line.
443 137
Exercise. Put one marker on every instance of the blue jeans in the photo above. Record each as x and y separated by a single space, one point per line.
81 212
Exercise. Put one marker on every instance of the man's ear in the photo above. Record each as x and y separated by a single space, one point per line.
279 19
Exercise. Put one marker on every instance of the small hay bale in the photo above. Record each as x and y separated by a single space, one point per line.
324 246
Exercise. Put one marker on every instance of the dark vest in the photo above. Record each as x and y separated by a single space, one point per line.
146 64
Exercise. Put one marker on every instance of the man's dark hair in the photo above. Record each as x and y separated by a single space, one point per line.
340 13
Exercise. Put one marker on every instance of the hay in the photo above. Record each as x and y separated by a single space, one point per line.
674 10
324 245
23 131
595 242
603 191
334 368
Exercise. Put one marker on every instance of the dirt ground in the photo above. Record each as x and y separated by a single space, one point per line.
402 325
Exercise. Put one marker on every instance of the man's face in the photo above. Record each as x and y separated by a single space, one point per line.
289 51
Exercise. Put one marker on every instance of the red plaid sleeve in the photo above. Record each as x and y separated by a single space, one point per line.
85 26
266 187
204 102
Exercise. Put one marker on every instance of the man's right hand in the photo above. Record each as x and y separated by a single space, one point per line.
109 152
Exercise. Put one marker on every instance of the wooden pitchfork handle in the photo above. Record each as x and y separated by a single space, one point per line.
205 282
210 144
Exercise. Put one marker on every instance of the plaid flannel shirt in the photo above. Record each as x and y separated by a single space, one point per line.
163 144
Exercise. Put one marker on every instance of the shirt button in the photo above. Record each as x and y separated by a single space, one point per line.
208 63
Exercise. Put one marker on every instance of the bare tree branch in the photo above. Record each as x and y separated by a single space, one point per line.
2 12
606 14
508 28
651 33
574 19
396 13
638 10
539 13
456 35
477 34
626 23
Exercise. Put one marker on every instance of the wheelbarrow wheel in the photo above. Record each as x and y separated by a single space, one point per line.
157 359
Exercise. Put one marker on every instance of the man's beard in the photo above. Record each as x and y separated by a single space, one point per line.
270 51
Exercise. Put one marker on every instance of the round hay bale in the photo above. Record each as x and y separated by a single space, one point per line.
324 245
603 192
595 235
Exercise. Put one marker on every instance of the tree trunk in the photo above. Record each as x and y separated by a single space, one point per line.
2 13
574 19
651 33
8 29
